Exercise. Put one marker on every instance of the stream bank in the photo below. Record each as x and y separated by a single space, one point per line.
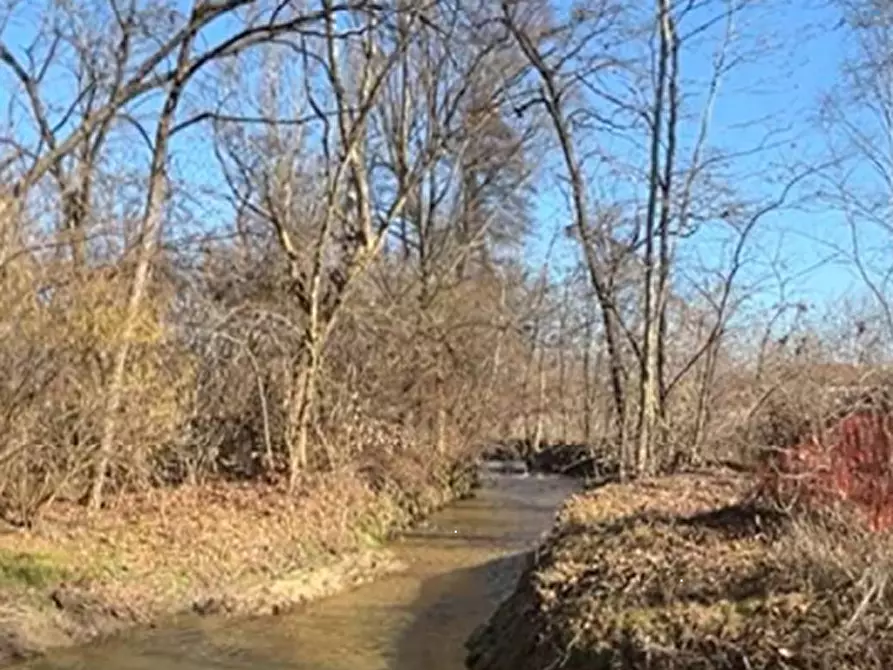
224 549
693 571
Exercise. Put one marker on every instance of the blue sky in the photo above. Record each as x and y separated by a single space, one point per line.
802 54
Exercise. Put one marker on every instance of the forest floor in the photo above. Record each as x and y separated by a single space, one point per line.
694 571
217 549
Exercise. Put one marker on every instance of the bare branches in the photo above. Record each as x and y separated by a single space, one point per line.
857 117
359 251
151 74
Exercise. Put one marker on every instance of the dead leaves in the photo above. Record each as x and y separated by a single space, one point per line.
162 551
677 573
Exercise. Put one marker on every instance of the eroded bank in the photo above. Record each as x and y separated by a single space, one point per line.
216 550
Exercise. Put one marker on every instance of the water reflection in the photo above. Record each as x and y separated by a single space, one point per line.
463 562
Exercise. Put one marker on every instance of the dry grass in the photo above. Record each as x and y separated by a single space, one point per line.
681 573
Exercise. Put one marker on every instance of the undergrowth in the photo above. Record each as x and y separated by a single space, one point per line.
849 463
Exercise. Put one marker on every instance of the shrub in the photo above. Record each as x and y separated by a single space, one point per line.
850 462
56 355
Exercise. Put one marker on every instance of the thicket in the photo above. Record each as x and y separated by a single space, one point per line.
259 240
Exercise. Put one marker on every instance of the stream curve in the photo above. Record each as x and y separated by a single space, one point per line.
462 563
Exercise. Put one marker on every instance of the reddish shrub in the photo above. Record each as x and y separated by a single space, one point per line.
851 462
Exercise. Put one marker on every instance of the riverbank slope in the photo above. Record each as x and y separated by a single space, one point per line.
225 548
690 572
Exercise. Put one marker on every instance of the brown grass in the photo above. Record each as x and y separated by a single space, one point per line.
688 572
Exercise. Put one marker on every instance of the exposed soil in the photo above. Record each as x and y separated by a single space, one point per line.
690 572
224 549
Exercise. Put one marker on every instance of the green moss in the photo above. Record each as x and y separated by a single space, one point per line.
396 511
31 569
104 566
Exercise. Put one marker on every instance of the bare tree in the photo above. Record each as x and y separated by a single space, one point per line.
526 29
126 69
856 114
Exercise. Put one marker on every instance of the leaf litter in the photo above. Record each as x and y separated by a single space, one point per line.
695 571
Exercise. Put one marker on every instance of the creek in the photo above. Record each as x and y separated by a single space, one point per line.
461 563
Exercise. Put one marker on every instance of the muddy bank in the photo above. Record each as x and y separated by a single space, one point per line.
224 549
690 572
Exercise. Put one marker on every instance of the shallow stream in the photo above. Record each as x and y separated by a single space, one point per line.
461 564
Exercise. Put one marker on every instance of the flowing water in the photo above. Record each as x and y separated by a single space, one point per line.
462 563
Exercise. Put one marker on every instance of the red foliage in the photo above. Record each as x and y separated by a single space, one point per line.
852 462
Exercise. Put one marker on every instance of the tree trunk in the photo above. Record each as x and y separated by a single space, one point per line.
537 438
441 429
301 419
109 427
702 413
528 373
9 213
115 392
587 384
655 273
598 273
562 393
670 44
648 401
562 365
618 390
496 369
148 239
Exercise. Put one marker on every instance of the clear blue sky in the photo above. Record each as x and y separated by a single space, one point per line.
801 54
